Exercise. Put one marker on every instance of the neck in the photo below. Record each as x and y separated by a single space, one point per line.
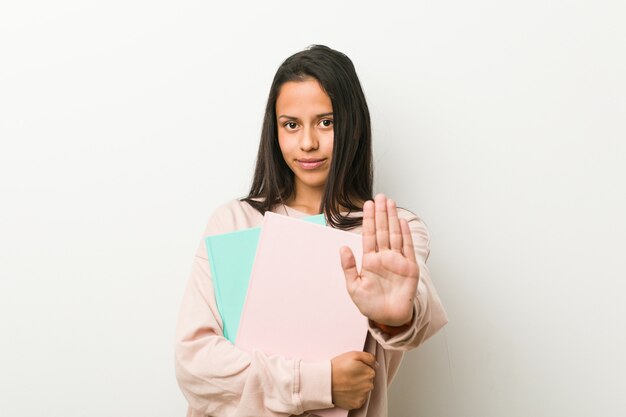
306 199
309 201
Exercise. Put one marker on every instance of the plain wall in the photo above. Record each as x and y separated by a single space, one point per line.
123 124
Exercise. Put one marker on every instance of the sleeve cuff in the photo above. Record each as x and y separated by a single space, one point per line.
315 387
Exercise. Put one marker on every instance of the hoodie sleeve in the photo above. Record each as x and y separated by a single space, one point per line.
219 379
428 313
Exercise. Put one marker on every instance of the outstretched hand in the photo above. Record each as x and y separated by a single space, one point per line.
385 288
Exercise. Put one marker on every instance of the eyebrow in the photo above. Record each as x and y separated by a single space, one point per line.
295 118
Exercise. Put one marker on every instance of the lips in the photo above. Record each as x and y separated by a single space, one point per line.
310 163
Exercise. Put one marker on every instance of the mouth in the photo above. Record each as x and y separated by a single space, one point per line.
310 163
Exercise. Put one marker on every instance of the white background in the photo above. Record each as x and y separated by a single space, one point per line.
123 124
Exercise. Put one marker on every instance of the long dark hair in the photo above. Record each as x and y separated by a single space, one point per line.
351 171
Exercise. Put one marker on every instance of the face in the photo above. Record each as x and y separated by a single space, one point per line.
305 132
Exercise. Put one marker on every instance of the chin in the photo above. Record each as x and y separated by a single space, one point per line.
313 183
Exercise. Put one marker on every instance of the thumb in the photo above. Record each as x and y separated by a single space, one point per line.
367 358
348 263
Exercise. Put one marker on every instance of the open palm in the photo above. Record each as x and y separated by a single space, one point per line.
385 288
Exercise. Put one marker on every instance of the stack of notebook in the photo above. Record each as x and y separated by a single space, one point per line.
280 289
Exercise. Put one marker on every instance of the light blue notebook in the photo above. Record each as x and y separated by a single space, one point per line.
231 257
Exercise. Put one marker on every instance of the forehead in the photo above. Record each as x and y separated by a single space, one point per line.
303 98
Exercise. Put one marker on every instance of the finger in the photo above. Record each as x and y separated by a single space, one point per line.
367 358
395 233
369 227
371 374
382 227
407 247
348 263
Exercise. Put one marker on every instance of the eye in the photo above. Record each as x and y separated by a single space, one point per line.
327 122
291 125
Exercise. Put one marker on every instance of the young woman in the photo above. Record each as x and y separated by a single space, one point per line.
314 157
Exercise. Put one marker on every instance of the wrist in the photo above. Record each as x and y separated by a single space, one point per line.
391 330
394 330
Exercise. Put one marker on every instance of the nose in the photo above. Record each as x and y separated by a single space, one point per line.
308 141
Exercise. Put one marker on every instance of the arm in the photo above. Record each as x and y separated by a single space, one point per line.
218 379
393 288
428 318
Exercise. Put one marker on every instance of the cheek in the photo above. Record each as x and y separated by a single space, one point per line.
284 146
329 140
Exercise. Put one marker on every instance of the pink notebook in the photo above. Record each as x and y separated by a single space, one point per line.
297 304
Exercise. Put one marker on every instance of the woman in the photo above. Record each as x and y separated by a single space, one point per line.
314 157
